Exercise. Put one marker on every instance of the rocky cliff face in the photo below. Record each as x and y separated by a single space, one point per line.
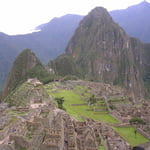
100 50
25 66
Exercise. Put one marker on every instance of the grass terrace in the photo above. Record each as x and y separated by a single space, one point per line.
76 105
128 133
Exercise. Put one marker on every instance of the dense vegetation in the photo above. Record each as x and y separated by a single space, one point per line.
136 121
48 43
54 36
26 65
100 50
64 66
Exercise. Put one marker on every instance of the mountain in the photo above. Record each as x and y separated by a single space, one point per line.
8 52
135 20
100 50
25 66
80 115
54 36
48 43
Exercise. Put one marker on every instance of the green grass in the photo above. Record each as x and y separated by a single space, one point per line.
101 148
78 112
17 113
22 149
81 88
128 134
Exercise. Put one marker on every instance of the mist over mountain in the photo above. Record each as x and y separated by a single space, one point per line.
48 43
135 20
8 51
52 38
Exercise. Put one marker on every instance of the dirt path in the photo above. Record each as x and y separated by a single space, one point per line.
37 105
56 111
5 140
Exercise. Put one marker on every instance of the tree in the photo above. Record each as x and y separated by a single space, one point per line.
92 100
135 121
60 101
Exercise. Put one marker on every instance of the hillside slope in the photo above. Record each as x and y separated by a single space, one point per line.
8 52
25 66
53 38
48 43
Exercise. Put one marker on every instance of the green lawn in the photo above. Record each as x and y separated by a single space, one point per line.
78 112
129 135
101 148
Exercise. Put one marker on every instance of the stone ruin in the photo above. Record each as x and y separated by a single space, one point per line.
48 128
3 106
58 131
34 81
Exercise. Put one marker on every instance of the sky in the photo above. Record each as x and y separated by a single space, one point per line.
22 16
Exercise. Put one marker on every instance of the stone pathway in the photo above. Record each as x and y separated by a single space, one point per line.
5 140
37 105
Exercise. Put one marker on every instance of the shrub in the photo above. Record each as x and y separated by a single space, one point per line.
136 121
60 101
69 77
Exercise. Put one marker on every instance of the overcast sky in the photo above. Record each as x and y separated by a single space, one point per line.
22 16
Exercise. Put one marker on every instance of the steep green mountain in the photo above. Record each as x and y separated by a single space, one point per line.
7 54
135 20
48 43
25 66
100 50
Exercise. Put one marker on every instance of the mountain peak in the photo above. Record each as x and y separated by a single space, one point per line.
25 66
98 9
99 13
98 24
102 51
143 5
